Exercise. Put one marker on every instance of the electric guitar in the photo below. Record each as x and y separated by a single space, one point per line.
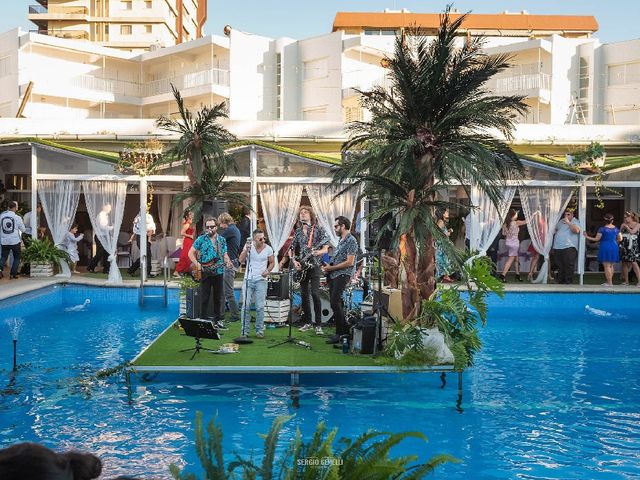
307 261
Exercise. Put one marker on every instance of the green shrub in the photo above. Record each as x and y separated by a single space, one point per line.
44 251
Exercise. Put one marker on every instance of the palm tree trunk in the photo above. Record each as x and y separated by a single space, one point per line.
426 269
410 291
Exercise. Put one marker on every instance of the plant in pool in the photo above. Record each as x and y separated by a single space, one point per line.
368 456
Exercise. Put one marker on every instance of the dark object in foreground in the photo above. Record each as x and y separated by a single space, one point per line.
198 328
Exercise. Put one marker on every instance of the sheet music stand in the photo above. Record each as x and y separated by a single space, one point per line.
198 328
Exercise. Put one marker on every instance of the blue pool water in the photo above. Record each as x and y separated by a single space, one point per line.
555 393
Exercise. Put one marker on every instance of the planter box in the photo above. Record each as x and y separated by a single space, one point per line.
41 269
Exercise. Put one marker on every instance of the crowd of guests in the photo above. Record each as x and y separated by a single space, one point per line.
615 245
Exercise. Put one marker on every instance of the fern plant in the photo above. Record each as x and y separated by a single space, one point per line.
44 251
368 456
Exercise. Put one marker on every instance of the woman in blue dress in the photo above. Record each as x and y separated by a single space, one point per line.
608 253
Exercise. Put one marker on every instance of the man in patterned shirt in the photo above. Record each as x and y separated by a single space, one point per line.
309 238
339 273
209 254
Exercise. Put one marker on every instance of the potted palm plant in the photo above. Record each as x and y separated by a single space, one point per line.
43 255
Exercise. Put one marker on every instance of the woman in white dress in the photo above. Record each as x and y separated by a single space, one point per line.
70 245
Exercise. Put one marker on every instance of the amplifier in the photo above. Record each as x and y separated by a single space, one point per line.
278 286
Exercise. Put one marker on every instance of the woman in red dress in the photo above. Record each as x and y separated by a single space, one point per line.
187 233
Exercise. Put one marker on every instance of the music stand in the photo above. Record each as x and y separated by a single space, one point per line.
198 328
290 338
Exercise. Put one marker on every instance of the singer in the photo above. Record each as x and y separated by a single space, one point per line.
260 262
310 242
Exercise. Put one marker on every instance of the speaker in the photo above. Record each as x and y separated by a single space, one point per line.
278 286
213 208
193 302
364 335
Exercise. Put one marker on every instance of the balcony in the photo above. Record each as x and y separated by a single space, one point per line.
107 85
57 10
535 85
213 76
359 80
69 34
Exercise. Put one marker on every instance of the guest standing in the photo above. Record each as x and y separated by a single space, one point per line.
70 245
245 226
103 227
565 246
630 250
188 234
137 232
231 234
609 237
209 254
511 232
11 227
259 265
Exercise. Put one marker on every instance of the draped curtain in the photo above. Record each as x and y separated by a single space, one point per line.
280 204
327 208
164 209
487 219
542 208
98 195
59 199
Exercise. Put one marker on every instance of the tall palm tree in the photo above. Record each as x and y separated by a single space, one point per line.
431 128
202 139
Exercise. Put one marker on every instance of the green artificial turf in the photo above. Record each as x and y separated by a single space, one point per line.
166 350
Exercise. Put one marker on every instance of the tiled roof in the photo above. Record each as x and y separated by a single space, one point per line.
501 21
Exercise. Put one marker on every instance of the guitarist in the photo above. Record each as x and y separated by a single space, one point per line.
309 241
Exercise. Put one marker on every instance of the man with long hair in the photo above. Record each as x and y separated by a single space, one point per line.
310 242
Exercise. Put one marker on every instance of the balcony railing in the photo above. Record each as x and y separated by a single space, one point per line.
58 10
214 76
108 85
521 83
74 34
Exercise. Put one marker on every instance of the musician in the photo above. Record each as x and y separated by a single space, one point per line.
209 256
309 241
261 262
339 273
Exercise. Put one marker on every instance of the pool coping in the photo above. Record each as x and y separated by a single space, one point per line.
275 369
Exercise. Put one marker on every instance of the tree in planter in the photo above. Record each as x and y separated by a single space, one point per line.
429 128
202 141
365 457
44 251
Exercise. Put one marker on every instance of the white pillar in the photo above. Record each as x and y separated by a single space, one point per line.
253 172
582 218
34 193
364 227
143 229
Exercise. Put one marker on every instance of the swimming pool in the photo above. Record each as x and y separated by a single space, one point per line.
555 393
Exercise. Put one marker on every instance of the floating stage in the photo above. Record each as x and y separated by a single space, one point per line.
264 355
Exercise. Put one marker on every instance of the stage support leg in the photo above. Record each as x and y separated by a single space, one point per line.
443 379
459 401
295 391
127 379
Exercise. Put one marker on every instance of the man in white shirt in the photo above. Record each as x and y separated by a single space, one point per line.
103 227
11 228
151 229
27 221
260 262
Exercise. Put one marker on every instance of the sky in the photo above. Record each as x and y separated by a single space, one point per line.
618 19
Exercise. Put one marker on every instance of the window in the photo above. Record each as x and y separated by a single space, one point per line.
148 4
5 66
624 74
148 28
126 29
380 31
315 69
278 86
126 5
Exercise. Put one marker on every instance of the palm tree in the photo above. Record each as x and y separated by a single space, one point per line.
202 139
430 128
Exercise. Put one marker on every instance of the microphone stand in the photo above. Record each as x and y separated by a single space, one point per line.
290 338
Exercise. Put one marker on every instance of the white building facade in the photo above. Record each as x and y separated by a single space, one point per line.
567 75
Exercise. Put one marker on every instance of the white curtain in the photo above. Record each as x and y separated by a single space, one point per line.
487 219
327 209
542 208
59 199
280 203
99 196
164 208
